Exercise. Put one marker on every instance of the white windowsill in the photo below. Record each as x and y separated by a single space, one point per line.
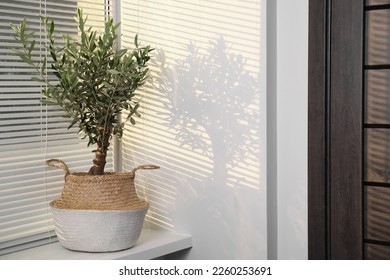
151 244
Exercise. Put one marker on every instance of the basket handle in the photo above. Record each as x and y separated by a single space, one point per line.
145 166
62 164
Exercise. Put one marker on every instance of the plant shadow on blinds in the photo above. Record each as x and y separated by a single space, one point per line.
31 132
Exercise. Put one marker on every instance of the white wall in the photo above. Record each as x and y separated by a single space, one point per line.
204 123
292 65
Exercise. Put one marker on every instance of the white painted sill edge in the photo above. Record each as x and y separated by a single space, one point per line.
151 244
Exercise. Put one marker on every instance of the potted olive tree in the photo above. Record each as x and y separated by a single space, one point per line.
94 83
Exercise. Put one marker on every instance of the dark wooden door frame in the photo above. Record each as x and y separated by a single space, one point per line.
335 134
317 101
318 89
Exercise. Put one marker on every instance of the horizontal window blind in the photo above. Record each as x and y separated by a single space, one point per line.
31 132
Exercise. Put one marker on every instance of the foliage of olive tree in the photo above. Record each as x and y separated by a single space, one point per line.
94 81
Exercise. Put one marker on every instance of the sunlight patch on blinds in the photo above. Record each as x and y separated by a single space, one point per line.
31 132
201 112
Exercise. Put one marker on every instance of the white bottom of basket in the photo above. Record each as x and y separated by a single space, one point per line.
98 230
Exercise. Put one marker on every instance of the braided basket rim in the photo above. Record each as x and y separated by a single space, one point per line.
106 174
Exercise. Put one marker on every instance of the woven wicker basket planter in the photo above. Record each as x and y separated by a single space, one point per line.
98 213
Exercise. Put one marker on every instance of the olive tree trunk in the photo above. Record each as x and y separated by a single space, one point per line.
99 161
